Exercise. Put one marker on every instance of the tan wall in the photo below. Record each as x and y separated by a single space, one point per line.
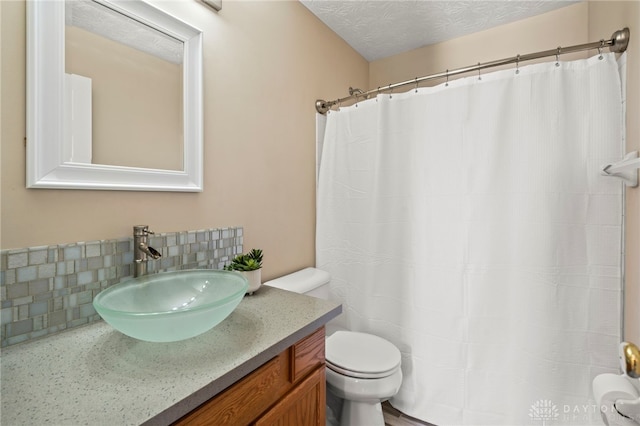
136 101
576 24
565 26
265 64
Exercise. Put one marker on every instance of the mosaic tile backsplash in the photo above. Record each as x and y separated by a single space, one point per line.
48 289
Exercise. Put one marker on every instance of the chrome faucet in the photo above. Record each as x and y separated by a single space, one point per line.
141 249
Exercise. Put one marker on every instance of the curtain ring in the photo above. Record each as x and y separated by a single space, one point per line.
518 64
600 49
479 76
416 91
557 55
391 92
446 84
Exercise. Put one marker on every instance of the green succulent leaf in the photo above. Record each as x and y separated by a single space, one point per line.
246 262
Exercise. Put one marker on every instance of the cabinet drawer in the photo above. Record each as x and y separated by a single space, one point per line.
307 354
246 400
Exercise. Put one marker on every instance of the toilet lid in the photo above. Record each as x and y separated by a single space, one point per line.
361 354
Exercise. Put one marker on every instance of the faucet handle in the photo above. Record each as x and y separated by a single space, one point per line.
142 230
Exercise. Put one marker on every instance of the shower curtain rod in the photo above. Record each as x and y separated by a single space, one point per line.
617 43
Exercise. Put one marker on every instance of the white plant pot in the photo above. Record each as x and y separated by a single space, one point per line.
255 279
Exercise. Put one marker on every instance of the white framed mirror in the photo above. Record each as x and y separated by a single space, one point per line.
61 123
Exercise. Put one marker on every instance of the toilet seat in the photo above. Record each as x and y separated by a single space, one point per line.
361 355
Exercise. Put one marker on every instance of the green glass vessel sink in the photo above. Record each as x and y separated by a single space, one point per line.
171 306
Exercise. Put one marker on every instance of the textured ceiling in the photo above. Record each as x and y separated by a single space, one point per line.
101 20
381 28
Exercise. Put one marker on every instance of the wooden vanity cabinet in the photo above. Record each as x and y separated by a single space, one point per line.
288 390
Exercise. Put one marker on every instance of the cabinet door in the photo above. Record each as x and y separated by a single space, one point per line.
247 399
308 354
304 405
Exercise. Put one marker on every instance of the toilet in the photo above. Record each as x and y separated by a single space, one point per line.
363 370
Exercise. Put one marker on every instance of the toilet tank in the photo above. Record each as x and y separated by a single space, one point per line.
310 281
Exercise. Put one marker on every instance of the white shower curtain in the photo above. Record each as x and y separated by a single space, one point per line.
469 225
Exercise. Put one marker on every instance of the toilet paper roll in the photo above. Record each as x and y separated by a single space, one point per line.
607 389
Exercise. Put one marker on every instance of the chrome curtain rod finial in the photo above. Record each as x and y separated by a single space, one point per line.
323 106
620 40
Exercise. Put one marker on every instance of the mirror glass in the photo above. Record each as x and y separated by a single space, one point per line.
116 56
114 97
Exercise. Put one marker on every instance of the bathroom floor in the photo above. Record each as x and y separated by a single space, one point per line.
393 417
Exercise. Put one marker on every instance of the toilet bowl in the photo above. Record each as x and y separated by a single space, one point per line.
362 369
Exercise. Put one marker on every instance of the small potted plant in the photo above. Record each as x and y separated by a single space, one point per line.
249 265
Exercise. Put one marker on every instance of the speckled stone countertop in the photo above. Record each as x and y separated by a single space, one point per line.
95 375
